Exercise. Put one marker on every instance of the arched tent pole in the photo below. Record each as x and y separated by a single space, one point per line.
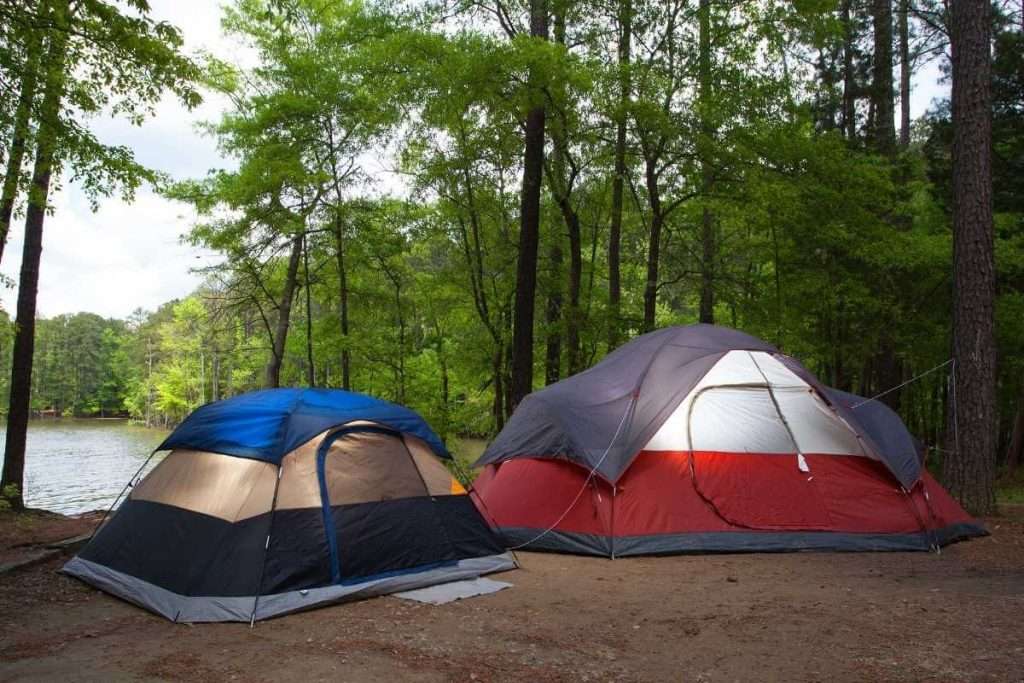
689 439
266 545
778 411
491 521
928 502
611 533
590 477
931 537
463 471
426 489
130 484
909 495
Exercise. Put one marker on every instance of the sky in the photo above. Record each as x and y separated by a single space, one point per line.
130 255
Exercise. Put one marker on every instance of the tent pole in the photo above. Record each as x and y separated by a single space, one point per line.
426 489
586 482
266 546
491 521
775 403
614 488
130 484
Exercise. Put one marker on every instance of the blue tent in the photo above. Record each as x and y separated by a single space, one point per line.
269 424
281 500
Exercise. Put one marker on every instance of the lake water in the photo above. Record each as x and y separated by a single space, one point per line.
74 466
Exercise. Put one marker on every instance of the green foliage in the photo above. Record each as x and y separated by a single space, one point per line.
118 62
406 277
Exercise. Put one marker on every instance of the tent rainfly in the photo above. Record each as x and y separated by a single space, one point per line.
705 439
281 500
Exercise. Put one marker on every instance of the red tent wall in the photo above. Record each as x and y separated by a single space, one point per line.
719 502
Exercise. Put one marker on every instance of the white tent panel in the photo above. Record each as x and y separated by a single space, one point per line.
772 370
816 428
738 420
743 419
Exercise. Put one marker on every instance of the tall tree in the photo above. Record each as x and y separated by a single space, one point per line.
529 222
553 314
284 311
563 174
849 118
969 471
905 70
883 133
98 57
625 27
20 130
707 239
28 281
343 307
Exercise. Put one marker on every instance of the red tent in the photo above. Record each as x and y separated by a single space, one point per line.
704 439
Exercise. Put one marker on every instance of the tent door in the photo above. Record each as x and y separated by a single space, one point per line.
746 464
378 516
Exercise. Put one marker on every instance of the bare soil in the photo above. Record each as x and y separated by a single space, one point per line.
807 617
25 535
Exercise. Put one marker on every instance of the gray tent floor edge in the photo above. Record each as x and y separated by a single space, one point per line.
737 541
196 609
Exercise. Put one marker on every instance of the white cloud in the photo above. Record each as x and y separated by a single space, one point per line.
926 87
112 261
129 255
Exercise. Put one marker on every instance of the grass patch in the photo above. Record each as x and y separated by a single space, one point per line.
1010 488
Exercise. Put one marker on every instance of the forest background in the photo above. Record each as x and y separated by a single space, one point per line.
747 164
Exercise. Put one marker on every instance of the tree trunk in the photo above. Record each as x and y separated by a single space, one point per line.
442 359
707 262
215 376
904 31
529 226
969 472
1016 447
273 379
559 187
149 381
28 283
618 181
499 388
883 130
653 247
16 155
849 79
507 369
707 273
573 319
310 367
574 354
553 318
346 358
888 372
400 319
202 373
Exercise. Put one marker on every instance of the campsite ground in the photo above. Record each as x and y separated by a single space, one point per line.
824 616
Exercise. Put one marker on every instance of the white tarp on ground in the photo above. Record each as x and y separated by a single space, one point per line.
455 590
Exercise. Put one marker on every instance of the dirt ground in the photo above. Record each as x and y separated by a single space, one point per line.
958 616
25 535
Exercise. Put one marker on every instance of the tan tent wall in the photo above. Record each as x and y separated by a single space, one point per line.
360 467
221 486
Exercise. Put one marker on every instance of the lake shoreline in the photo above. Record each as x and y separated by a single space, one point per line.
33 534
